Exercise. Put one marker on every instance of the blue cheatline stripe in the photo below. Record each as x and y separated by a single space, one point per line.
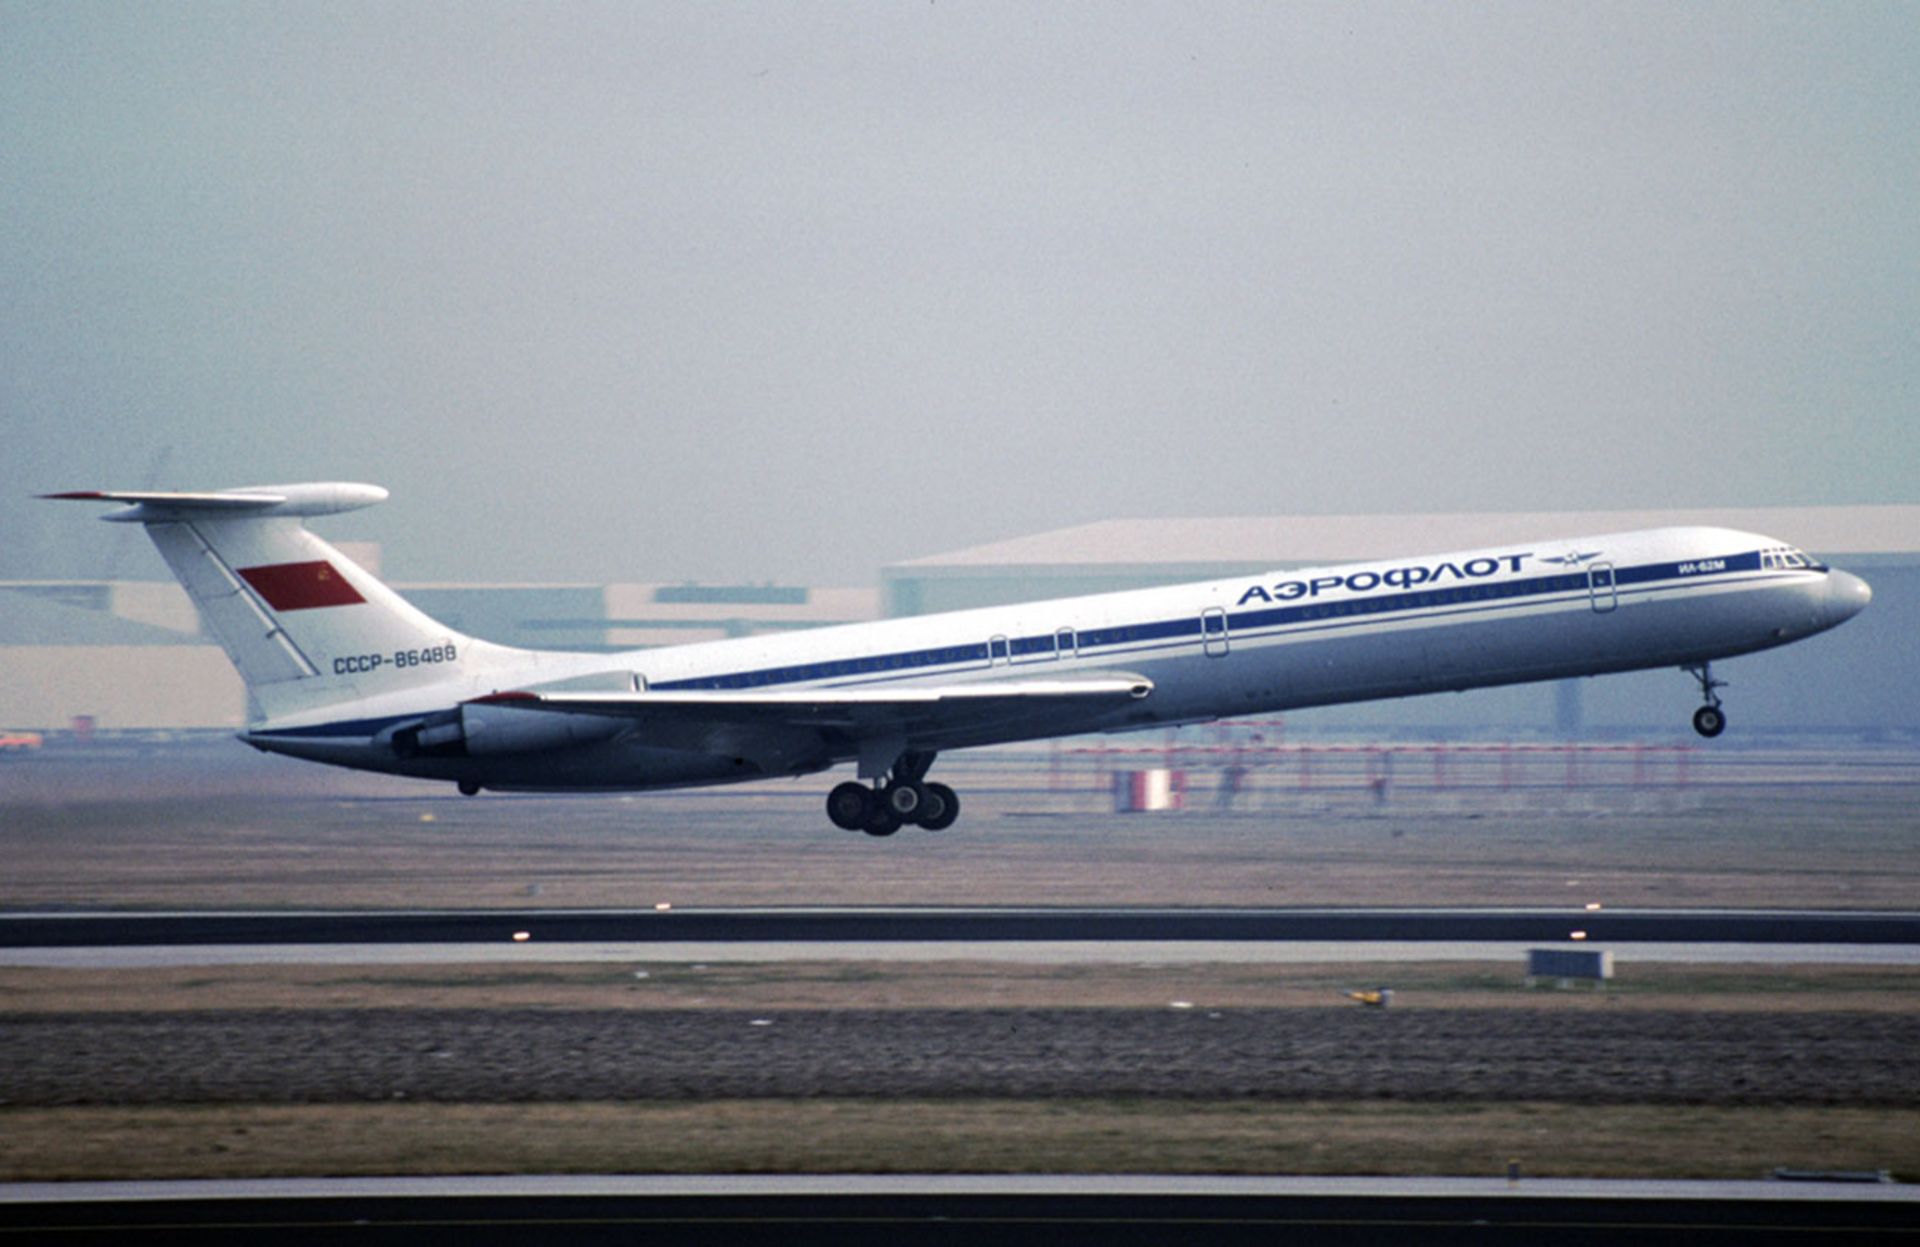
1129 638
1242 625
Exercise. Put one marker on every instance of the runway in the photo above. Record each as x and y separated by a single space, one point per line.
892 1209
877 1209
1064 935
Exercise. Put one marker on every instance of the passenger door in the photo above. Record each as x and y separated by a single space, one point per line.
1600 588
1213 632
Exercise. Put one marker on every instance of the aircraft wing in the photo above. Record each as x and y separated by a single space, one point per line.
866 722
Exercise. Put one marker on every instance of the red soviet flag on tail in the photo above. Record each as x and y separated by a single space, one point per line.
301 586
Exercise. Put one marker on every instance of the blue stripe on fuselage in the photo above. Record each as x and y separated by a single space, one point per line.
1112 641
1126 638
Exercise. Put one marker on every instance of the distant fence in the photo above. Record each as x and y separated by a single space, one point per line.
1382 768
1249 767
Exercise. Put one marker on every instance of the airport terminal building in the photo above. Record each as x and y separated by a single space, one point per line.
130 655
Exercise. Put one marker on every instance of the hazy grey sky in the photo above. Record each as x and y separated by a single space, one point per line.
777 291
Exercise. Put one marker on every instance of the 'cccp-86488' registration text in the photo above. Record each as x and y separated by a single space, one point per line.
401 658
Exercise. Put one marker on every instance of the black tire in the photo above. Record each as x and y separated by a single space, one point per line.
1709 721
904 800
469 788
942 807
849 804
881 820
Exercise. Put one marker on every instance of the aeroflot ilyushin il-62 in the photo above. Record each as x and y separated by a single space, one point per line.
341 669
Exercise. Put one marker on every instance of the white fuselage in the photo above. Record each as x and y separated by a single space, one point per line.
1245 645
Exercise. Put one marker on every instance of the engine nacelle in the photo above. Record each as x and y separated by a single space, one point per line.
490 729
493 728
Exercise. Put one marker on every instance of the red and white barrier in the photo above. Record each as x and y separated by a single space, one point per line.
1160 788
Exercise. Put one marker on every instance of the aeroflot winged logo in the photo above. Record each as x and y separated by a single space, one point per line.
1405 577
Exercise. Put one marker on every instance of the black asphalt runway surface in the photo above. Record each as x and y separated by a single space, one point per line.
800 927
963 1211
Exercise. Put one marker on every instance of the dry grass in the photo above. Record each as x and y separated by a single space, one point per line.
923 1137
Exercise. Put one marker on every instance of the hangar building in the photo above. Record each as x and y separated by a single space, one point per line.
131 655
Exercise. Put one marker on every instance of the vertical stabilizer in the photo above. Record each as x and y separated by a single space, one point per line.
305 625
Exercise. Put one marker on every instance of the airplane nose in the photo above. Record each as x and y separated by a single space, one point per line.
1847 596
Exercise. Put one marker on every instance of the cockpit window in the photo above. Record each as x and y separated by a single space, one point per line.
1786 558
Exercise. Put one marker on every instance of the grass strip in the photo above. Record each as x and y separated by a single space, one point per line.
803 984
851 1136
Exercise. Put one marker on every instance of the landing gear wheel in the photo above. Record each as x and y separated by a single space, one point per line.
881 820
905 797
468 788
904 800
940 808
848 806
1709 720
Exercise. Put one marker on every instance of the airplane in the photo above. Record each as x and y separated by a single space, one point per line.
341 669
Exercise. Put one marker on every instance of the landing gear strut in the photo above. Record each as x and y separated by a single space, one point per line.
903 797
1709 720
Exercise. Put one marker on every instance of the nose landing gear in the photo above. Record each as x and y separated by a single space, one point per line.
1709 720
905 797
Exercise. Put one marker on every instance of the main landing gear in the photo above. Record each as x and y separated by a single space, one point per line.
904 797
1709 720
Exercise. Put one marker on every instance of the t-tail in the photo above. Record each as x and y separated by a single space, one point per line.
300 620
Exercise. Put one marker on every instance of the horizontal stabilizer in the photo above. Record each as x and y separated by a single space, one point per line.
161 506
